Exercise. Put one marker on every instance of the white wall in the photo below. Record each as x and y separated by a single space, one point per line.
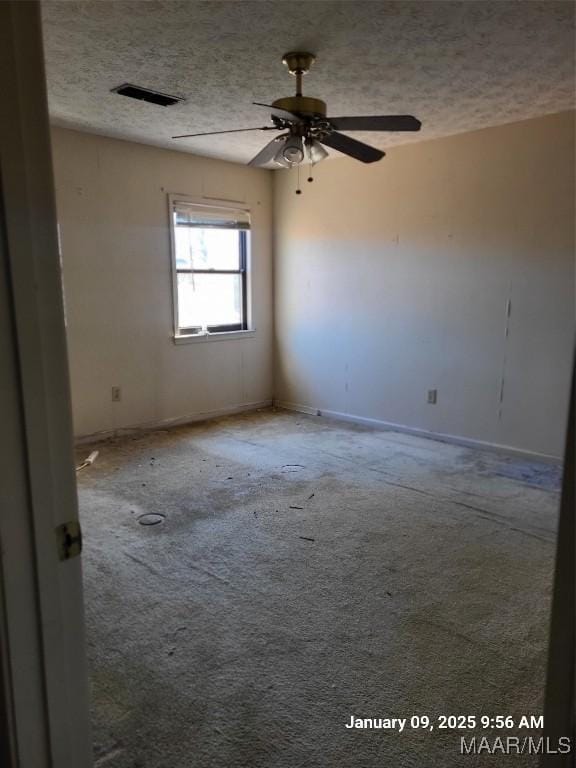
394 278
113 217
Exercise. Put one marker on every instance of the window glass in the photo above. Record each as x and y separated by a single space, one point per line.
205 300
206 248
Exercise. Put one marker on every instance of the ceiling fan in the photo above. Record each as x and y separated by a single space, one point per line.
306 129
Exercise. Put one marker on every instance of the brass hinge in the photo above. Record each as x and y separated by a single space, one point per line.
69 540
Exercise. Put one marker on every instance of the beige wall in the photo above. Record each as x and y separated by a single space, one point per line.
394 278
113 217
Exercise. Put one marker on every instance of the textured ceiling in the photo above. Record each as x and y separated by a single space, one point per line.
457 66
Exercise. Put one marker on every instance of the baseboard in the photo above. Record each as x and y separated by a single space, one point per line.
336 415
178 421
442 437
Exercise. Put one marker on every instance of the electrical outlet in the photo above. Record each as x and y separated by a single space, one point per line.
432 396
116 394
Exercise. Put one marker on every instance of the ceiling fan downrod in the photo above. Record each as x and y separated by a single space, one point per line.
298 64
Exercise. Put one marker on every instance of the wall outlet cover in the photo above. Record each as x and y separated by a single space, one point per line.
433 396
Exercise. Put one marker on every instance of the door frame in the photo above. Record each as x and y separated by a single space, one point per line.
43 668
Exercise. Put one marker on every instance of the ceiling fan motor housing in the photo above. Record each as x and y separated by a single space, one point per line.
305 105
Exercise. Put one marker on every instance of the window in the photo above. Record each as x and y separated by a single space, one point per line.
210 259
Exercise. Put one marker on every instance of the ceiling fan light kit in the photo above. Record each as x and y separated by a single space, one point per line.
291 151
315 150
307 129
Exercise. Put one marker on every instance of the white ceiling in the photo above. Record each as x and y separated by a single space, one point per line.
457 66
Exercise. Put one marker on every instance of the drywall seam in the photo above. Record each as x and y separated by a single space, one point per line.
505 355
178 421
274 253
388 425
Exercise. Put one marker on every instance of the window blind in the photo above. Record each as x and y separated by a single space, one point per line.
205 216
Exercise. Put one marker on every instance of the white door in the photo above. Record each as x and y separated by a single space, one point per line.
44 714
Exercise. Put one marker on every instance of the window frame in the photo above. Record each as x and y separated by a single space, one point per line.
214 332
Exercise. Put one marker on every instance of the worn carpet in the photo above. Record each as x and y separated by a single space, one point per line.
254 582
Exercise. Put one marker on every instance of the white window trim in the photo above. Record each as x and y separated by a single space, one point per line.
194 338
180 338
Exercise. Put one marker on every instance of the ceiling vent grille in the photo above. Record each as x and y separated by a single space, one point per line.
145 94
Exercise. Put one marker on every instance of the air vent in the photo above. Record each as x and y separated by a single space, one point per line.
144 94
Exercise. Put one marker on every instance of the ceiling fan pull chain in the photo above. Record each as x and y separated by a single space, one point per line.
310 178
298 190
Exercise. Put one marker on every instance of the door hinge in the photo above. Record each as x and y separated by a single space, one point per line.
69 540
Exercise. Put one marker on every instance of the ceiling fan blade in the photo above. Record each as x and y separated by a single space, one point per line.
283 113
376 123
267 153
352 147
234 130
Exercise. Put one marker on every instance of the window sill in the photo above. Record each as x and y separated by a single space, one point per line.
200 338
